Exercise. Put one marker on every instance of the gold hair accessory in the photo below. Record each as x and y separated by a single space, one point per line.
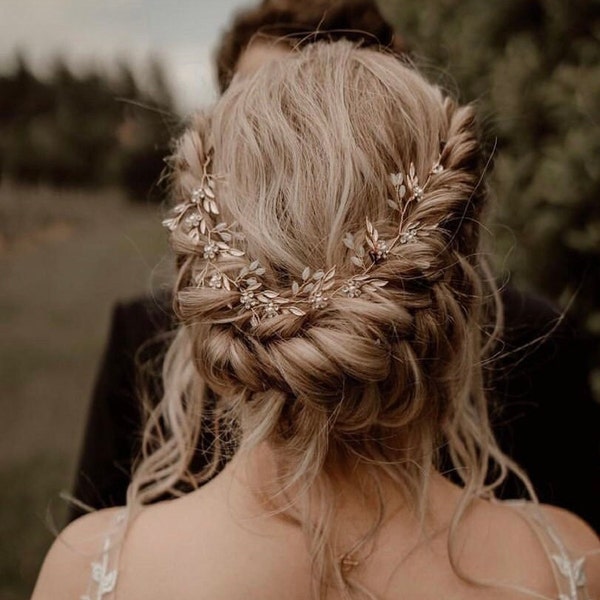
197 214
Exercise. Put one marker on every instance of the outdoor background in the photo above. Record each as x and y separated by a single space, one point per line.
90 94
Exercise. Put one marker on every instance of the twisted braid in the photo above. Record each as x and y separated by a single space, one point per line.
353 343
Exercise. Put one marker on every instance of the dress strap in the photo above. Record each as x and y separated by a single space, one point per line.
568 571
104 571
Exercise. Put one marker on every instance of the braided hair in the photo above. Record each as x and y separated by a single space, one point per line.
301 154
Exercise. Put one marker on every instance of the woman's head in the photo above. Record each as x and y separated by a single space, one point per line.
330 289
302 155
330 286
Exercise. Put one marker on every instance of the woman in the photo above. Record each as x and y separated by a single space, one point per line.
335 314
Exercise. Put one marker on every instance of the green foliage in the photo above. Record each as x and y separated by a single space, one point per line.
533 67
85 130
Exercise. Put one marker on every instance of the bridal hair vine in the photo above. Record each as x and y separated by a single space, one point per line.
197 216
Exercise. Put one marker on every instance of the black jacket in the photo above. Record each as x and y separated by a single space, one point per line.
542 413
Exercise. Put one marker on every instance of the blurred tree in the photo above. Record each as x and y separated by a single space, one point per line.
145 132
67 129
533 67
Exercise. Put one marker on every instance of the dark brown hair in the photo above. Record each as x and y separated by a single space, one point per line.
304 23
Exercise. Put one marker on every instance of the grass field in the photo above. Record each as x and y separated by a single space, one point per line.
65 258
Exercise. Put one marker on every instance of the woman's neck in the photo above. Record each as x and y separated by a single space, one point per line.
256 488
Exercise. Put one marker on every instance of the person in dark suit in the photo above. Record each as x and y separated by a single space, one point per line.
541 406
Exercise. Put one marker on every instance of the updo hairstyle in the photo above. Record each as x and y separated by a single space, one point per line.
371 386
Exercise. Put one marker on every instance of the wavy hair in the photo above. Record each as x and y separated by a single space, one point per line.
367 390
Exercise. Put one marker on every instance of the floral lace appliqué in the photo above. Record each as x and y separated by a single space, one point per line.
573 574
569 572
103 576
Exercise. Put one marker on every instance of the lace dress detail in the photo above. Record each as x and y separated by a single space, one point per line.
568 571
103 575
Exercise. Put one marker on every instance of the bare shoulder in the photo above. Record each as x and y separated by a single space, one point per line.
501 542
580 541
571 533
66 569
577 535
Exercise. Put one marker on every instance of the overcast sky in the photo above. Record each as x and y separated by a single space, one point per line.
182 32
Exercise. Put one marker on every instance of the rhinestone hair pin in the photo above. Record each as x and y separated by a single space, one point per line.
197 216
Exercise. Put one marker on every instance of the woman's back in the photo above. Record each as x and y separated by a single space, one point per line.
220 542
266 559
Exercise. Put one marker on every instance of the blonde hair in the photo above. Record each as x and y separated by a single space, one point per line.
302 153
